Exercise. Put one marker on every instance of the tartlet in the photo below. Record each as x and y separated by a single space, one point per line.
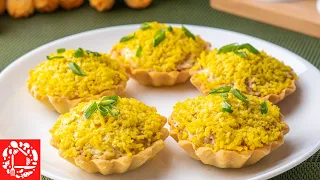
221 130
73 76
159 55
109 143
249 70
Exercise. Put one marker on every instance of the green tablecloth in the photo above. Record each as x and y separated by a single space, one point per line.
18 36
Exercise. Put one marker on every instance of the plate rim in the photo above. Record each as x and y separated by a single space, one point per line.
269 174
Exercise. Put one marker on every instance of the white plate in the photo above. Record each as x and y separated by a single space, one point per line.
21 116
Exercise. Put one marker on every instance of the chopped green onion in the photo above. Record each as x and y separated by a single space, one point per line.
127 38
54 57
239 95
61 50
76 69
145 26
241 54
188 33
228 48
159 37
78 53
90 110
103 110
226 107
139 50
170 29
264 107
105 106
107 102
234 47
94 53
114 111
224 95
249 47
113 97
222 89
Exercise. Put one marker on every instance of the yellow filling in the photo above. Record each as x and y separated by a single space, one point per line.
174 51
136 128
55 78
202 121
258 74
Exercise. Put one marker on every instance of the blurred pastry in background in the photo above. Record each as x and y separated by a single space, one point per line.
20 9
138 4
70 4
2 6
45 5
102 5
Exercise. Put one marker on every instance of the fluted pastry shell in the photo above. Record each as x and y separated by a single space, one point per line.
120 165
274 98
63 104
227 158
154 78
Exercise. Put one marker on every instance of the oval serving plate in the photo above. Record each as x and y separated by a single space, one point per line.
23 117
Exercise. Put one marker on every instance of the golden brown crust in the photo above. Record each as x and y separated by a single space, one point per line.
154 78
46 5
20 9
227 158
62 104
2 6
101 5
274 98
120 165
70 4
138 4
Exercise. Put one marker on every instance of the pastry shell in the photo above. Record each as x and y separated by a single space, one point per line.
227 158
120 165
274 98
63 104
154 78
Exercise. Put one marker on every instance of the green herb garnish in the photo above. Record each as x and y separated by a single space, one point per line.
139 50
239 95
226 107
241 54
90 110
224 95
249 47
228 48
103 110
114 111
75 69
54 57
127 38
105 106
78 53
107 102
114 97
94 53
188 33
61 50
235 47
264 107
159 37
222 89
145 26
170 29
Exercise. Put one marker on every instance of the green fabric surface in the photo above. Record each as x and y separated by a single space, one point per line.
18 36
